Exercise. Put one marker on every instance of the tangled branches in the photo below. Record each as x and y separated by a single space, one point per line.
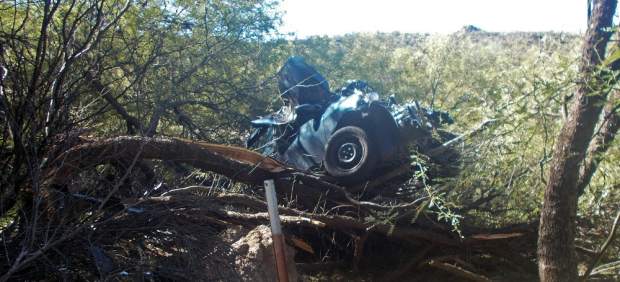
115 224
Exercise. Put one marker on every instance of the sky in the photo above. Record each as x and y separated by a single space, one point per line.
336 17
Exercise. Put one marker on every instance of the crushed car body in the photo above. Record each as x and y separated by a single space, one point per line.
351 134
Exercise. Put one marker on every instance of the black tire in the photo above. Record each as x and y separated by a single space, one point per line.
350 155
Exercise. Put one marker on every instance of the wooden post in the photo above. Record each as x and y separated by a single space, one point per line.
276 230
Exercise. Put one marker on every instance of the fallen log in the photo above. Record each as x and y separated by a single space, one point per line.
239 164
236 163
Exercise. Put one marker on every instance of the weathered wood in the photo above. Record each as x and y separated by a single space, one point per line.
237 163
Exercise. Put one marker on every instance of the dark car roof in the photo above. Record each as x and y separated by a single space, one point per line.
301 80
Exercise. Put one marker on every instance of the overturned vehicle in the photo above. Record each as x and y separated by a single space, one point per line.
351 134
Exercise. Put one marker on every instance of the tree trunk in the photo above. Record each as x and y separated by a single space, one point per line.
556 257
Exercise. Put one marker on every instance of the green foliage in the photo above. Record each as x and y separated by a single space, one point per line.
217 59
213 54
203 69
436 201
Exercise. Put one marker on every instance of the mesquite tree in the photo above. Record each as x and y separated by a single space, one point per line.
556 252
112 66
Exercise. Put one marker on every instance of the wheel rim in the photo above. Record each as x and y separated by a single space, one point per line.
349 154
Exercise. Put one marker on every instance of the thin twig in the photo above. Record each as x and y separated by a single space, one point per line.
606 267
601 251
184 189
461 272
443 147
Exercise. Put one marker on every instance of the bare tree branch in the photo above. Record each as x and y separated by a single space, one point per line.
243 165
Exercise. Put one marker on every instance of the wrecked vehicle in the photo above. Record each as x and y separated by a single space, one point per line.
351 134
